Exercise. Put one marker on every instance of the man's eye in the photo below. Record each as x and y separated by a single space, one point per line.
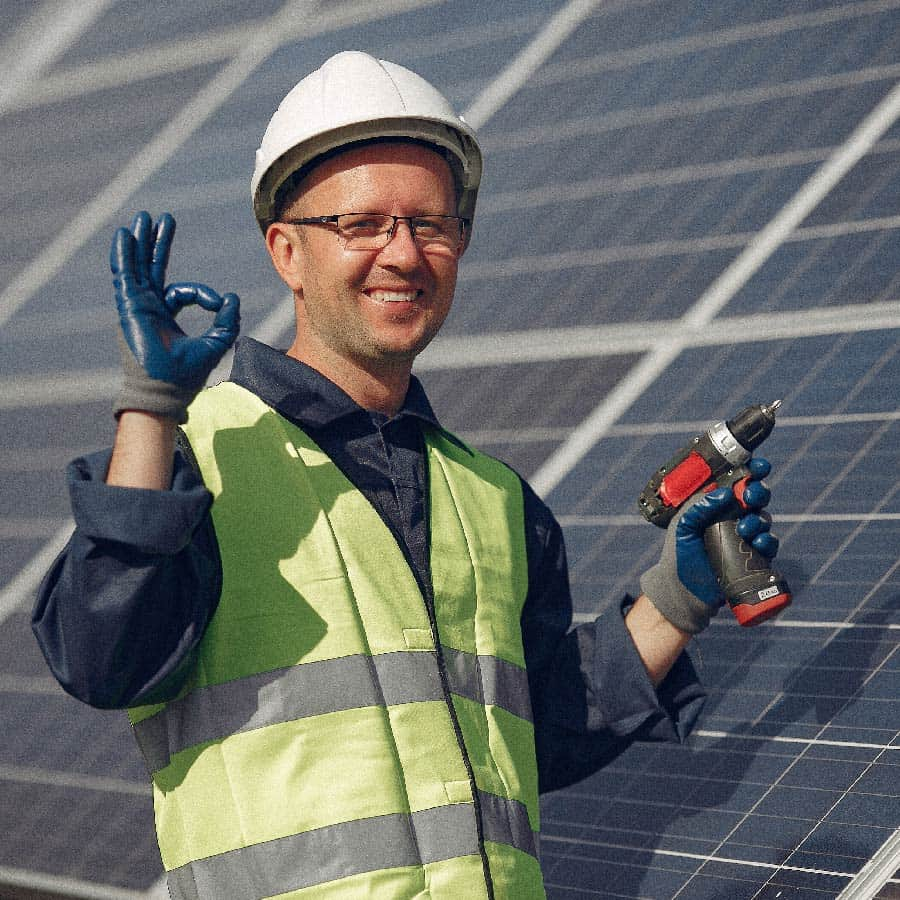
363 226
428 228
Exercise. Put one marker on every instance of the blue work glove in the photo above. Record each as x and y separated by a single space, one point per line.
163 367
683 585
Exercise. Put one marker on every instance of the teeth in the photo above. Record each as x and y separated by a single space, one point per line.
394 296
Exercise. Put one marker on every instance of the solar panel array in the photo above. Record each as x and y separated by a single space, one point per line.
688 207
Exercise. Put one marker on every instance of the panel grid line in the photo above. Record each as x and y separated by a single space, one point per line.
218 45
708 40
665 112
777 782
651 125
504 348
97 212
711 302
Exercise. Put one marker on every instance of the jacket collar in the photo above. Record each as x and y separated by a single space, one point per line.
305 396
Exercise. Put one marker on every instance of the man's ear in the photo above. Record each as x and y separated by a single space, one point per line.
282 242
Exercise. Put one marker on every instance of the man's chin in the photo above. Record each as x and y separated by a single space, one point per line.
400 350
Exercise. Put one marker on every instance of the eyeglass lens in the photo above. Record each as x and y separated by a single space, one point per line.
363 231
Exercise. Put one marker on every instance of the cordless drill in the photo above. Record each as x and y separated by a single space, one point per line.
716 458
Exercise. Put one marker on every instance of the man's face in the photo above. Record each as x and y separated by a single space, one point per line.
371 307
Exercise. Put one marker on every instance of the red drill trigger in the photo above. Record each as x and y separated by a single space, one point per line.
738 489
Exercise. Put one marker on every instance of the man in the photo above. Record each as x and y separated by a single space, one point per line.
343 635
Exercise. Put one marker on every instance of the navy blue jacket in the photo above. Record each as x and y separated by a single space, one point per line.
122 609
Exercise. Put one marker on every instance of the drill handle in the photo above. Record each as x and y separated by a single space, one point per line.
754 590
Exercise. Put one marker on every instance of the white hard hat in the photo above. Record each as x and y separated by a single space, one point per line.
355 97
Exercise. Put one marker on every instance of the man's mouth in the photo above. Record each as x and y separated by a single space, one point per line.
383 296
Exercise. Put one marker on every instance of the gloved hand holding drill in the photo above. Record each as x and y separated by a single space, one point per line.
164 368
713 551
683 585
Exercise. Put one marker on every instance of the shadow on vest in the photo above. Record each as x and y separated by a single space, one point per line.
280 561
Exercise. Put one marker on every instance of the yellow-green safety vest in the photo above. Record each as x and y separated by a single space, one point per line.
333 741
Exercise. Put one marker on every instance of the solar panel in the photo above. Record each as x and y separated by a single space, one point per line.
625 287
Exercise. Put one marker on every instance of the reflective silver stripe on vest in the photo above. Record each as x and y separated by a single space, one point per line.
349 848
506 822
310 689
489 680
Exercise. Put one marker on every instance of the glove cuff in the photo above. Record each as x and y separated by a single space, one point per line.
676 604
140 391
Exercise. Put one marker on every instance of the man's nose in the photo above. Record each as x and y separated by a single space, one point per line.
401 248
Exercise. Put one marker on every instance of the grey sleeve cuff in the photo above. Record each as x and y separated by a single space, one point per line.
151 396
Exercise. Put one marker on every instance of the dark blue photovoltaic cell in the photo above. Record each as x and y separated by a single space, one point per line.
622 179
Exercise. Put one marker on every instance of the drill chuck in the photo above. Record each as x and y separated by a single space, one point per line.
752 426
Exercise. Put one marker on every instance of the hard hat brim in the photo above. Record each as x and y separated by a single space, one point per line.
293 165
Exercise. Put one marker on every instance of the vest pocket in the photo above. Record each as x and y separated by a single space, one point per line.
418 639
458 791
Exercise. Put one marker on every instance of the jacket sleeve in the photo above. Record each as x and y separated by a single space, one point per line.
125 604
591 695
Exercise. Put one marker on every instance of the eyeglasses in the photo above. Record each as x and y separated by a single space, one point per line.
372 231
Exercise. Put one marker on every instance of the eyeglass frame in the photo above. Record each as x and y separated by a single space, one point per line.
464 225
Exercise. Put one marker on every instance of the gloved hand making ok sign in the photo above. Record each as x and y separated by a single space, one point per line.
683 585
164 367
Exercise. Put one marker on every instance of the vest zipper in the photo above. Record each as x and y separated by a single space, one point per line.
427 589
428 597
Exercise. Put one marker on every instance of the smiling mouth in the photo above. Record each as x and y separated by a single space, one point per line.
394 296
